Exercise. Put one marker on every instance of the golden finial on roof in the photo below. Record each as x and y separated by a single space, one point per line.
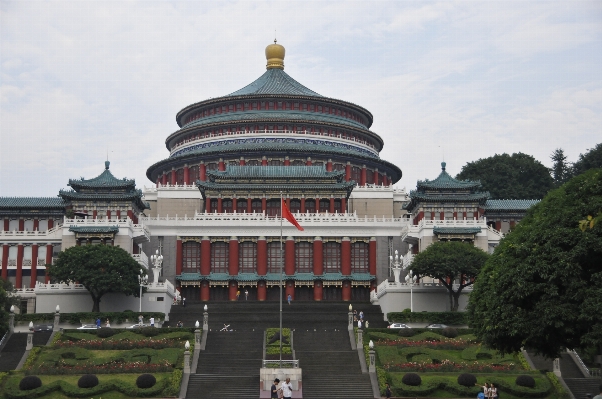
274 53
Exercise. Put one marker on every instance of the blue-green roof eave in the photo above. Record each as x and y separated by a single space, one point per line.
334 187
104 180
32 203
94 229
274 81
254 172
456 230
135 195
445 182
509 205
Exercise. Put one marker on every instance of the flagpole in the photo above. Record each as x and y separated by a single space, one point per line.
281 267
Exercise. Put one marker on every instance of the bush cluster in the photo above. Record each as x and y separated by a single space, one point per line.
150 331
525 381
146 381
87 381
79 317
454 318
412 379
406 332
449 332
30 382
467 380
105 332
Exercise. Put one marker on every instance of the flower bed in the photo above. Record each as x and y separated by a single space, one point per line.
121 344
113 367
449 366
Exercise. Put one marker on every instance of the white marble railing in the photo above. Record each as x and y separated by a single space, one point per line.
139 228
31 234
59 287
141 259
165 286
168 186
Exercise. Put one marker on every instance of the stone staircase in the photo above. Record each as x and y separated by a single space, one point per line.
581 386
229 366
14 349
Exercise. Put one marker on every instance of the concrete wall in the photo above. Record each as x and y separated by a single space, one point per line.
124 242
153 211
426 299
178 206
382 255
68 242
371 207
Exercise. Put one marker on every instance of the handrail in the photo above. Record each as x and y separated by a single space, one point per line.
583 366
285 363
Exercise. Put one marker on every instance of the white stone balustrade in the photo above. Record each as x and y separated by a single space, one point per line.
36 234
141 259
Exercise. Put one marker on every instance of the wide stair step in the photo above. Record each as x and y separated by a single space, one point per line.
582 386
201 386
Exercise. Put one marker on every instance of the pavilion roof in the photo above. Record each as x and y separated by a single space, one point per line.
509 204
275 81
105 180
445 182
133 195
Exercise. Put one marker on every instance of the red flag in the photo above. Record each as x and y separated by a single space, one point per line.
289 216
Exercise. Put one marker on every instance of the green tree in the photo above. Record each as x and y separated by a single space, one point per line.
4 309
99 268
561 170
541 287
449 261
590 160
516 176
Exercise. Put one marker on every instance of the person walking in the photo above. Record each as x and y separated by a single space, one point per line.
183 302
98 322
289 299
246 295
359 323
140 320
152 321
388 390
108 323
287 389
237 295
274 389
361 315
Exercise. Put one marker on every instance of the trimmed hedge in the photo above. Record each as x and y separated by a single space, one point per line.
30 382
416 331
525 381
87 381
412 379
453 318
146 381
79 317
467 380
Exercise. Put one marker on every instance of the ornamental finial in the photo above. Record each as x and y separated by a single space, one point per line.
443 165
107 163
274 53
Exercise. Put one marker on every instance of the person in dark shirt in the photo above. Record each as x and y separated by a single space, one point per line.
274 389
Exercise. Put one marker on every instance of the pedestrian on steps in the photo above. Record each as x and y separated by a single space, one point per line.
274 389
599 396
289 299
287 389
388 390
246 295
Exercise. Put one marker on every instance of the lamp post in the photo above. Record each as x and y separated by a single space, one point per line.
411 280
11 320
205 319
187 357
156 260
143 279
372 366
395 265
350 318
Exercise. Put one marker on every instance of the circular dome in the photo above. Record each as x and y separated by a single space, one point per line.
274 53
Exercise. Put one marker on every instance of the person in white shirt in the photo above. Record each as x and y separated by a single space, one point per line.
287 389
152 321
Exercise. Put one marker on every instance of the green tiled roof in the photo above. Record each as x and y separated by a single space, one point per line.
279 116
189 277
309 187
275 81
456 230
445 182
285 172
94 229
104 180
509 205
135 195
481 197
31 202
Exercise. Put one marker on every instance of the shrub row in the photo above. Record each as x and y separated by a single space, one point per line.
452 318
165 387
123 344
79 317
410 332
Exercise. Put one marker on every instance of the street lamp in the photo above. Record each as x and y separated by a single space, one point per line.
156 260
411 280
143 279
395 265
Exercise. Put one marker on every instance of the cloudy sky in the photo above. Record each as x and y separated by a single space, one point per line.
461 80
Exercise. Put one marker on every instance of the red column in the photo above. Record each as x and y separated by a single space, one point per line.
34 266
130 214
221 166
205 256
455 215
19 282
234 204
498 225
329 165
49 250
50 223
290 290
205 291
178 257
264 161
288 203
289 256
242 161
264 204
308 162
348 171
363 176
21 226
6 224
261 291
220 208
262 256
94 214
164 179
249 208
5 261
36 224
118 214
108 214
476 214
318 257
385 182
207 204
318 293
512 224
287 161
202 172
331 210
232 288
233 256
186 174
302 204
343 205
372 256
346 256
346 291
375 176
173 179
441 215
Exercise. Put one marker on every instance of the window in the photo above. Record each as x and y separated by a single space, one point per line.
191 257
332 257
247 255
193 173
274 258
256 206
227 206
219 257
298 162
359 257
253 162
337 206
295 206
275 162
213 205
356 174
310 206
369 176
324 205
241 205
304 257
338 166
212 166
273 208
180 176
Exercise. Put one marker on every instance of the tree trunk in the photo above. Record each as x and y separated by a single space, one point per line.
96 305
451 300
456 296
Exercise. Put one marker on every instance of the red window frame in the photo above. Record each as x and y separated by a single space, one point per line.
304 257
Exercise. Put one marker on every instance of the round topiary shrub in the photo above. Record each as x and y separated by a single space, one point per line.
525 381
406 332
105 332
467 380
150 331
87 381
412 379
30 382
146 381
449 332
